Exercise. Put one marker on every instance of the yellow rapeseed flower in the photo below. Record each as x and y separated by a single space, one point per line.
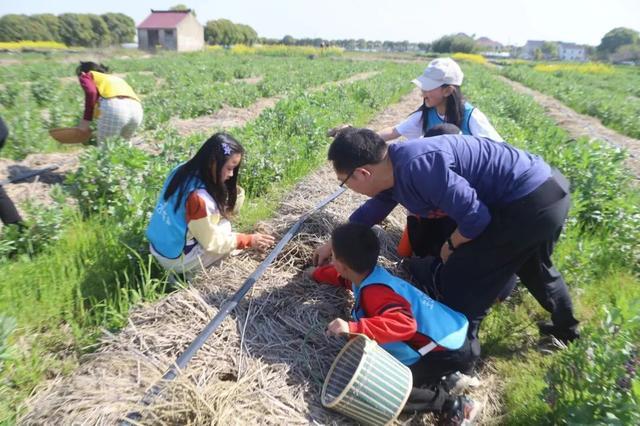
28 44
469 57
586 68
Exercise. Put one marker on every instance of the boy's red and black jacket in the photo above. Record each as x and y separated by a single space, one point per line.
388 315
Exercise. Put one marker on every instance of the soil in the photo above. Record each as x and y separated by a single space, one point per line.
228 117
583 125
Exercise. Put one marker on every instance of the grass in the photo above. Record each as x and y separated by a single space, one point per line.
598 256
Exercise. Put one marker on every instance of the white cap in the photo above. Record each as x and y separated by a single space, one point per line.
440 71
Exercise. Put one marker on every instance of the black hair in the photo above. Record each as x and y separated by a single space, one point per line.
357 246
91 66
207 165
454 111
353 148
442 129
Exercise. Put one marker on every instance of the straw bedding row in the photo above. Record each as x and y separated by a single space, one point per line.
264 364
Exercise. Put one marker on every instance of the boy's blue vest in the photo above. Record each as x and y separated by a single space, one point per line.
167 230
438 322
433 119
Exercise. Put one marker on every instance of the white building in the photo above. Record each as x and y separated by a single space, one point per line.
572 52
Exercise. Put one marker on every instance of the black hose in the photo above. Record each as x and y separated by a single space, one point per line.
226 308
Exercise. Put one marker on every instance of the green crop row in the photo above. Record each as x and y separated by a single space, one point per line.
184 86
596 380
612 97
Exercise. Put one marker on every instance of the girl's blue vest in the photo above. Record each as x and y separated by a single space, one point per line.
438 322
167 231
433 119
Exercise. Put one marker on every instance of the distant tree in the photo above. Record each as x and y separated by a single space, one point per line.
627 53
70 28
76 30
179 7
615 38
225 32
463 43
424 46
454 43
402 46
14 27
288 40
538 55
101 34
248 34
51 23
121 27
549 49
443 44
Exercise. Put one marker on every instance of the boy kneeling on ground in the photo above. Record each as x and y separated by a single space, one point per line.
423 334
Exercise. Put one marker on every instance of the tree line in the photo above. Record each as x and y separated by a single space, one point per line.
72 29
226 33
620 45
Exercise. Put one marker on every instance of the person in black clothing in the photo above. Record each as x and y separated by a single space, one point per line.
8 212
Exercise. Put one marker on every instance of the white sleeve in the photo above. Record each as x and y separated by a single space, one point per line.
479 126
411 128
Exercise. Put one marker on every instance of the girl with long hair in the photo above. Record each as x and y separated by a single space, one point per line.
190 225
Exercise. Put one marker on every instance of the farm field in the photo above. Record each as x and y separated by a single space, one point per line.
609 93
75 288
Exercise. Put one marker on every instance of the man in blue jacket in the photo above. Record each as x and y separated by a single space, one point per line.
509 206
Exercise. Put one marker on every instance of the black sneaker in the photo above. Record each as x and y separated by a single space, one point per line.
565 335
462 411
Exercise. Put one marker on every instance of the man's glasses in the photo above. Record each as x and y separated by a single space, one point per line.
347 178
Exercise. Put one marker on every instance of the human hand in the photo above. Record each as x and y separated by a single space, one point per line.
445 252
333 132
337 327
261 241
322 254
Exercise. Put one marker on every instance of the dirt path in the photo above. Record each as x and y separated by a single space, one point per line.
37 188
583 125
229 117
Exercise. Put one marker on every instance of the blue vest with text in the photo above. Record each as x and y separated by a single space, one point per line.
443 325
433 119
167 230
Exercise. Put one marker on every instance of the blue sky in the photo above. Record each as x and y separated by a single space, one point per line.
509 22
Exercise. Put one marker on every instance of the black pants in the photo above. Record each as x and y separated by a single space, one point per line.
427 237
8 212
428 393
519 240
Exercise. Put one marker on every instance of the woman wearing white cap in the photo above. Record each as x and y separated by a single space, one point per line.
442 103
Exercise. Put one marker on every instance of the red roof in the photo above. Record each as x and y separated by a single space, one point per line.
164 19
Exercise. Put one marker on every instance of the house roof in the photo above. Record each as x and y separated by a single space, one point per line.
570 45
486 41
164 19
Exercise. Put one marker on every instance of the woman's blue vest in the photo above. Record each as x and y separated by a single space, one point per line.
438 322
433 119
167 230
